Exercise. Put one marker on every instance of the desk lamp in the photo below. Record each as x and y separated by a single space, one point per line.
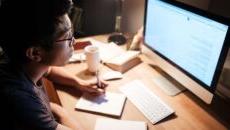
117 37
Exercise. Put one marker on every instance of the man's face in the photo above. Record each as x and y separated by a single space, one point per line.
62 47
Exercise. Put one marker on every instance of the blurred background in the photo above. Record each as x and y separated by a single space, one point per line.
98 16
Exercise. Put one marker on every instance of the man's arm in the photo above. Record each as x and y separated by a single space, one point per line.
67 122
60 76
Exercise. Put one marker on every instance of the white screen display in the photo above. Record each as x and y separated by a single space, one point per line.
191 41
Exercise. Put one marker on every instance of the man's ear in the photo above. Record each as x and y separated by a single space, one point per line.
34 54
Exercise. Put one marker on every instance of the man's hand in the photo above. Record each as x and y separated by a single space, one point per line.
93 87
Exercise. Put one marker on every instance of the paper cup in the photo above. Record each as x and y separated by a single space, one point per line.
92 58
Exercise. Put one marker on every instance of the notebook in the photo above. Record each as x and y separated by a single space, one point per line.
109 104
113 124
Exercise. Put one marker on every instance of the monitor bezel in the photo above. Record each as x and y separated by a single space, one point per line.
224 49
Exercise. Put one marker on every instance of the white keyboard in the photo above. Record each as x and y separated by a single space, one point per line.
147 102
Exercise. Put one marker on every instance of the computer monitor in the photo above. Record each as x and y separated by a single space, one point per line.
188 43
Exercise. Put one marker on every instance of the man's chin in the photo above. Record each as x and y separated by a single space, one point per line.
63 64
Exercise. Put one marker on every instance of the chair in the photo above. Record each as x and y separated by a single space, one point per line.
51 91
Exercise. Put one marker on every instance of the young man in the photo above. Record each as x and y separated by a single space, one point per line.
35 46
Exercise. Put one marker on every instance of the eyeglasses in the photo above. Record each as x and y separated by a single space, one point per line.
71 41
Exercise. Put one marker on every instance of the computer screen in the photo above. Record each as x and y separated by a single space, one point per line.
190 39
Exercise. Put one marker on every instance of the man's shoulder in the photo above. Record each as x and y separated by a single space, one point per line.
11 79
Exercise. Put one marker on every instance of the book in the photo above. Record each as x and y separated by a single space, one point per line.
113 124
81 45
115 57
108 104
124 62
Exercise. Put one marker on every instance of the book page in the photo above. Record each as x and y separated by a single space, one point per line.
112 124
110 103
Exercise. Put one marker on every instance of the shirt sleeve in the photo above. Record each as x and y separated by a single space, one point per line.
30 112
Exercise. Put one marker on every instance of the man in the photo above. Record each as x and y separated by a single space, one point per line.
35 46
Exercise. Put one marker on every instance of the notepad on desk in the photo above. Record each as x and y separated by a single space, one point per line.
112 124
109 104
115 57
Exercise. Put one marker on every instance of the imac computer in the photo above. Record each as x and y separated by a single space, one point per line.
187 43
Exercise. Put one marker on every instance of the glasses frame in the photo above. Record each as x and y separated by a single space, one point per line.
71 41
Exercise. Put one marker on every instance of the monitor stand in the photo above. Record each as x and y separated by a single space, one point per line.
168 84
168 87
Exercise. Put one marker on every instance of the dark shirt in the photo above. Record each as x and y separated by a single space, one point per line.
24 106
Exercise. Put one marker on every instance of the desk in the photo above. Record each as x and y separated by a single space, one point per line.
191 113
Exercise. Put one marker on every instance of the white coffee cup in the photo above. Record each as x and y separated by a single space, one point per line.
92 58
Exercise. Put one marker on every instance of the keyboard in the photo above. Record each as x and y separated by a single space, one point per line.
153 108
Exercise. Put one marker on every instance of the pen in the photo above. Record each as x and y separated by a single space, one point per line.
98 80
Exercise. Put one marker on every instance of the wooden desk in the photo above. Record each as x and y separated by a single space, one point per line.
191 113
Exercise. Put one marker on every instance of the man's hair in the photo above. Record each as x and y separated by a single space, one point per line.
27 23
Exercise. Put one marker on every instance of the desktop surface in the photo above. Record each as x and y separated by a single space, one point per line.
190 112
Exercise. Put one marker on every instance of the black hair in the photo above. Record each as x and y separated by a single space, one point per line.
27 23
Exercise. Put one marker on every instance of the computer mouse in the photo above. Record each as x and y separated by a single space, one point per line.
112 75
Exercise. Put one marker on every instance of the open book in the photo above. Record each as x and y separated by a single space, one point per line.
115 57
